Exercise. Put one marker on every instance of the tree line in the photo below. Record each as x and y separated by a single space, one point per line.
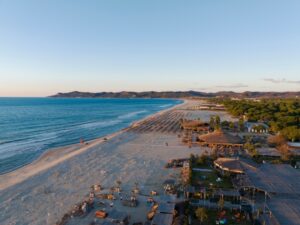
281 115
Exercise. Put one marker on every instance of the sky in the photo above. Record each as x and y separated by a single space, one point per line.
50 46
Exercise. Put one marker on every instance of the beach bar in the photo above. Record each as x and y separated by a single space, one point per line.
222 142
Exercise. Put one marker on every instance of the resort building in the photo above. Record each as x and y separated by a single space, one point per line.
205 106
256 127
294 148
276 185
282 211
281 183
267 152
294 145
164 214
229 165
223 143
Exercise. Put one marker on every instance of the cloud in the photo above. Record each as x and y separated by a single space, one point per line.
238 85
282 81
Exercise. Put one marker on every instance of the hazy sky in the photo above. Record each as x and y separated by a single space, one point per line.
65 45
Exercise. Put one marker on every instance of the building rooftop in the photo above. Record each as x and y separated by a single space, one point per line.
252 124
162 219
166 208
233 165
286 211
227 192
220 137
273 152
275 178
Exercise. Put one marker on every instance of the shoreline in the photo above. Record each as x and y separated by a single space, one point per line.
134 155
55 156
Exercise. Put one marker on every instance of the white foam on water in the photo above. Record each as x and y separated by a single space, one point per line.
165 106
100 124
132 114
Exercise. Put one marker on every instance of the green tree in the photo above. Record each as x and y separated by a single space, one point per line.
251 149
292 133
225 124
201 160
282 115
231 125
241 124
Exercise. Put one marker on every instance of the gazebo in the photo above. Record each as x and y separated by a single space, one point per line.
224 143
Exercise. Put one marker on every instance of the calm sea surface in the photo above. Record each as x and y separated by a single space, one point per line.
30 126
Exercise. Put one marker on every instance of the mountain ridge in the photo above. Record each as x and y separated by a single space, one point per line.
176 94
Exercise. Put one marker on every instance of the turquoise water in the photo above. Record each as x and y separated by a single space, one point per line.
30 126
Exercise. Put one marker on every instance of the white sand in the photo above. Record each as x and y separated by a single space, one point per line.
45 197
42 192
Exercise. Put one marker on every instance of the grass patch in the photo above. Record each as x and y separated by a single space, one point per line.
205 179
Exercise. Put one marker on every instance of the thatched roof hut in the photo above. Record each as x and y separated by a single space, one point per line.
195 125
219 137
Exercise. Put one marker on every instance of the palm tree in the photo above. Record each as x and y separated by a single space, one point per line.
201 214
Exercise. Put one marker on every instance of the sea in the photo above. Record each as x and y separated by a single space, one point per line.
31 126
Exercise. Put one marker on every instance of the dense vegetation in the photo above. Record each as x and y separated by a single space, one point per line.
282 115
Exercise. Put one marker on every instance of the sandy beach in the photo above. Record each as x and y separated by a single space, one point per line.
41 192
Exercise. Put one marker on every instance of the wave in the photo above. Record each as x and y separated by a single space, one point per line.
42 124
132 114
165 106
100 124
2 142
29 144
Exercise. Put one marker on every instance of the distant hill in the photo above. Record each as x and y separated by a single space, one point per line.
176 94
